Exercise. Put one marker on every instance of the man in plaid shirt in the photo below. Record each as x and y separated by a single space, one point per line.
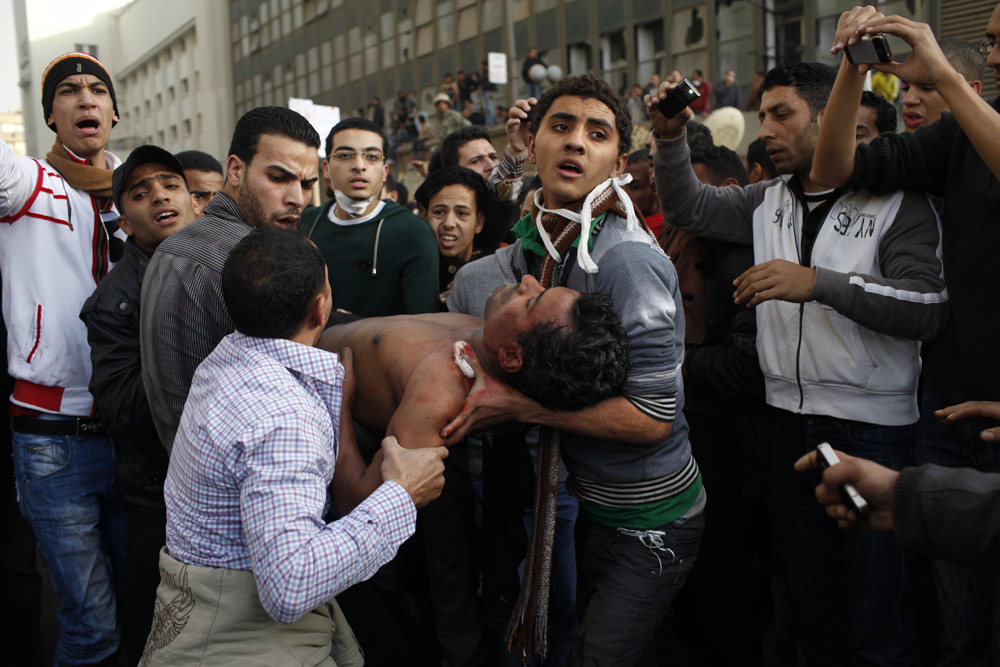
250 567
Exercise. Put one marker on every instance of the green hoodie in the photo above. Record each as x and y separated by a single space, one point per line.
385 266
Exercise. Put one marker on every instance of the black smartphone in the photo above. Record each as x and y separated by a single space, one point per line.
850 495
680 96
870 50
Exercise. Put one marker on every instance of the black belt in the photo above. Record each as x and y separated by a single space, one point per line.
80 427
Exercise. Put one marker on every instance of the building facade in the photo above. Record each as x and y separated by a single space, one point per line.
171 69
185 70
343 52
12 131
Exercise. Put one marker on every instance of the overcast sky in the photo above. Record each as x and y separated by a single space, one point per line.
44 18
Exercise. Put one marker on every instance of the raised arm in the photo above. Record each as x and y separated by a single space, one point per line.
833 162
505 179
927 66
18 176
702 210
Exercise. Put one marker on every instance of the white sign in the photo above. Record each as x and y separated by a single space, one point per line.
322 118
498 67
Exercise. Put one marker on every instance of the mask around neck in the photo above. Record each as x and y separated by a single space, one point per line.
353 207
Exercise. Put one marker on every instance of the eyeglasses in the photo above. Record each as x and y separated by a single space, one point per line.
986 45
370 157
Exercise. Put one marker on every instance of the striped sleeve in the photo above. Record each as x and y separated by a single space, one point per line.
909 298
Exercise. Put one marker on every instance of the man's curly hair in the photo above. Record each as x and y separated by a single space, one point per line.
579 366
588 86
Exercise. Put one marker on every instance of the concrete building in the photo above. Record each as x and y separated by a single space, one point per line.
170 62
185 70
342 52
12 131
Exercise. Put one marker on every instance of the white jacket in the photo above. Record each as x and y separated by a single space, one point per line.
851 351
49 259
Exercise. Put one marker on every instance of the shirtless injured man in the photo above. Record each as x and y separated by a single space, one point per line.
564 350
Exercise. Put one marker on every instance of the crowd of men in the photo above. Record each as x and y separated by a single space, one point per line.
562 420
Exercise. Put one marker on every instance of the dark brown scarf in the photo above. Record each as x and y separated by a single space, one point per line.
92 179
95 181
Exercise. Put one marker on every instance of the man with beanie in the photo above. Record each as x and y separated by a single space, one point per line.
57 243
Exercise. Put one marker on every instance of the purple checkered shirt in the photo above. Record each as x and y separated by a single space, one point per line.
249 471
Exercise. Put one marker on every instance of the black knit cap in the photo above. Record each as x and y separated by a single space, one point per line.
67 65
140 156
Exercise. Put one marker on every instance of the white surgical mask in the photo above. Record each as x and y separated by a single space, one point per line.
354 207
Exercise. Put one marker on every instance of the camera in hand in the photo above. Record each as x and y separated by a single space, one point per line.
870 50
679 97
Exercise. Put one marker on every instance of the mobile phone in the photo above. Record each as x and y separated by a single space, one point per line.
680 96
848 493
870 50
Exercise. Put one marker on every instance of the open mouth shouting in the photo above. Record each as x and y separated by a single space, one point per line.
88 126
165 216
569 168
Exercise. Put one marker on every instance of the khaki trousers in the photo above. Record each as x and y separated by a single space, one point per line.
213 616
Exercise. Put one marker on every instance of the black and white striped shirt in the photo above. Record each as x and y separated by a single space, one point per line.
183 314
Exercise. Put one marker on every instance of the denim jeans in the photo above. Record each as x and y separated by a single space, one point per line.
562 592
625 588
969 599
851 592
65 488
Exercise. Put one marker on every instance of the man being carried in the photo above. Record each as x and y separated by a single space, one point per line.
564 349
265 430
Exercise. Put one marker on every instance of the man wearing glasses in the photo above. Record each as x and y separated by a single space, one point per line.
382 259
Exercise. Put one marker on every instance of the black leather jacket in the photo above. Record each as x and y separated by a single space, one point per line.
112 318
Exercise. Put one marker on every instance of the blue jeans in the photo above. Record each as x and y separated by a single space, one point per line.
850 592
562 593
535 90
65 488
969 599
625 588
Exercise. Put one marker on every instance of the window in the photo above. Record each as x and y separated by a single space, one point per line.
86 48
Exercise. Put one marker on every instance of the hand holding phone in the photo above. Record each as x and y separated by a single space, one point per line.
679 97
869 50
827 457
